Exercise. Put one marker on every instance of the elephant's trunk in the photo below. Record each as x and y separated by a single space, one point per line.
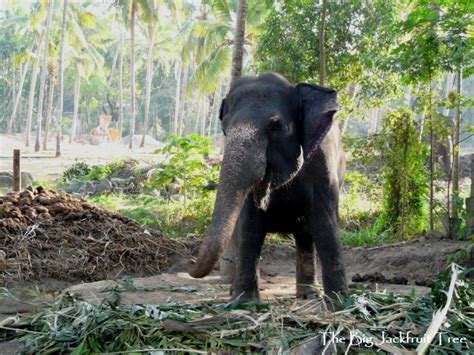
224 218
240 169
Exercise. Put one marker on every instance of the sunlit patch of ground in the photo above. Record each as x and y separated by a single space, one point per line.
44 166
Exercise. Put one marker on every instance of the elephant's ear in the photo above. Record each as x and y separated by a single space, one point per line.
223 109
317 106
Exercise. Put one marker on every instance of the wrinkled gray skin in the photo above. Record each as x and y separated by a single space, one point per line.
281 172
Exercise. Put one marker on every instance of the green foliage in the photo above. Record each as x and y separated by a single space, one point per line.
172 218
186 162
417 59
83 171
76 172
359 202
357 38
404 176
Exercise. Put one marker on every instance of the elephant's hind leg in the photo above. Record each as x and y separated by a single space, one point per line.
324 225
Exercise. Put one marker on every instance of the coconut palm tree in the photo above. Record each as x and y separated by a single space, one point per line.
239 39
52 79
209 40
44 69
31 96
60 79
150 17
132 73
120 85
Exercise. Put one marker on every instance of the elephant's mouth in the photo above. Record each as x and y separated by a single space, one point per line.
261 190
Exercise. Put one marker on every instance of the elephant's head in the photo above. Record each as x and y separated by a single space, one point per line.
271 129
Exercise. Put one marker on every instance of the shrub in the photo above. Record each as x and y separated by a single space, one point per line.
404 176
77 171
186 162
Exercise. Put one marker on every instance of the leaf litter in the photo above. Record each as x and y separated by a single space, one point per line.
372 322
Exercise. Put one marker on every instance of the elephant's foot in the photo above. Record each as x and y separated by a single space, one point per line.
308 291
335 284
245 292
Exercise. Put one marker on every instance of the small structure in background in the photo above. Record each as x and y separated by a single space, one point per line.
102 133
470 200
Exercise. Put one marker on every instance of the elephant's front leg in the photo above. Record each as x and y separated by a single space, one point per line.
252 232
228 262
305 266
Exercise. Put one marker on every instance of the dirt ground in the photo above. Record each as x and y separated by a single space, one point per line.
404 267
399 268
43 165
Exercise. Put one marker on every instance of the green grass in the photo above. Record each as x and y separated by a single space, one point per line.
174 219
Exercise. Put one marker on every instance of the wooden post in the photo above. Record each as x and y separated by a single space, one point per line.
16 170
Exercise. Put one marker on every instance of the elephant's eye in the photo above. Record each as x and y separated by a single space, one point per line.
275 124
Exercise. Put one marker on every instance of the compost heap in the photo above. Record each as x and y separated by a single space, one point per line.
44 234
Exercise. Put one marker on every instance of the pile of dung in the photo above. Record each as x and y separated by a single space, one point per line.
44 234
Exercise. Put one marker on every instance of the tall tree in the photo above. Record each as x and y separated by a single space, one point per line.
44 70
18 97
77 94
322 41
177 101
239 39
60 80
120 86
31 96
49 111
150 17
132 73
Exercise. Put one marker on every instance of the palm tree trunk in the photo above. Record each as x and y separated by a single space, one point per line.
205 109
85 122
197 116
177 104
60 82
17 98
215 104
132 73
182 113
114 65
149 79
50 108
322 40
44 69
31 97
13 70
77 91
239 39
120 87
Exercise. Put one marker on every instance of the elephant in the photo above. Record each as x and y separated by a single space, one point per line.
282 169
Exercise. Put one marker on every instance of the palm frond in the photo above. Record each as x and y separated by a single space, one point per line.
210 72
